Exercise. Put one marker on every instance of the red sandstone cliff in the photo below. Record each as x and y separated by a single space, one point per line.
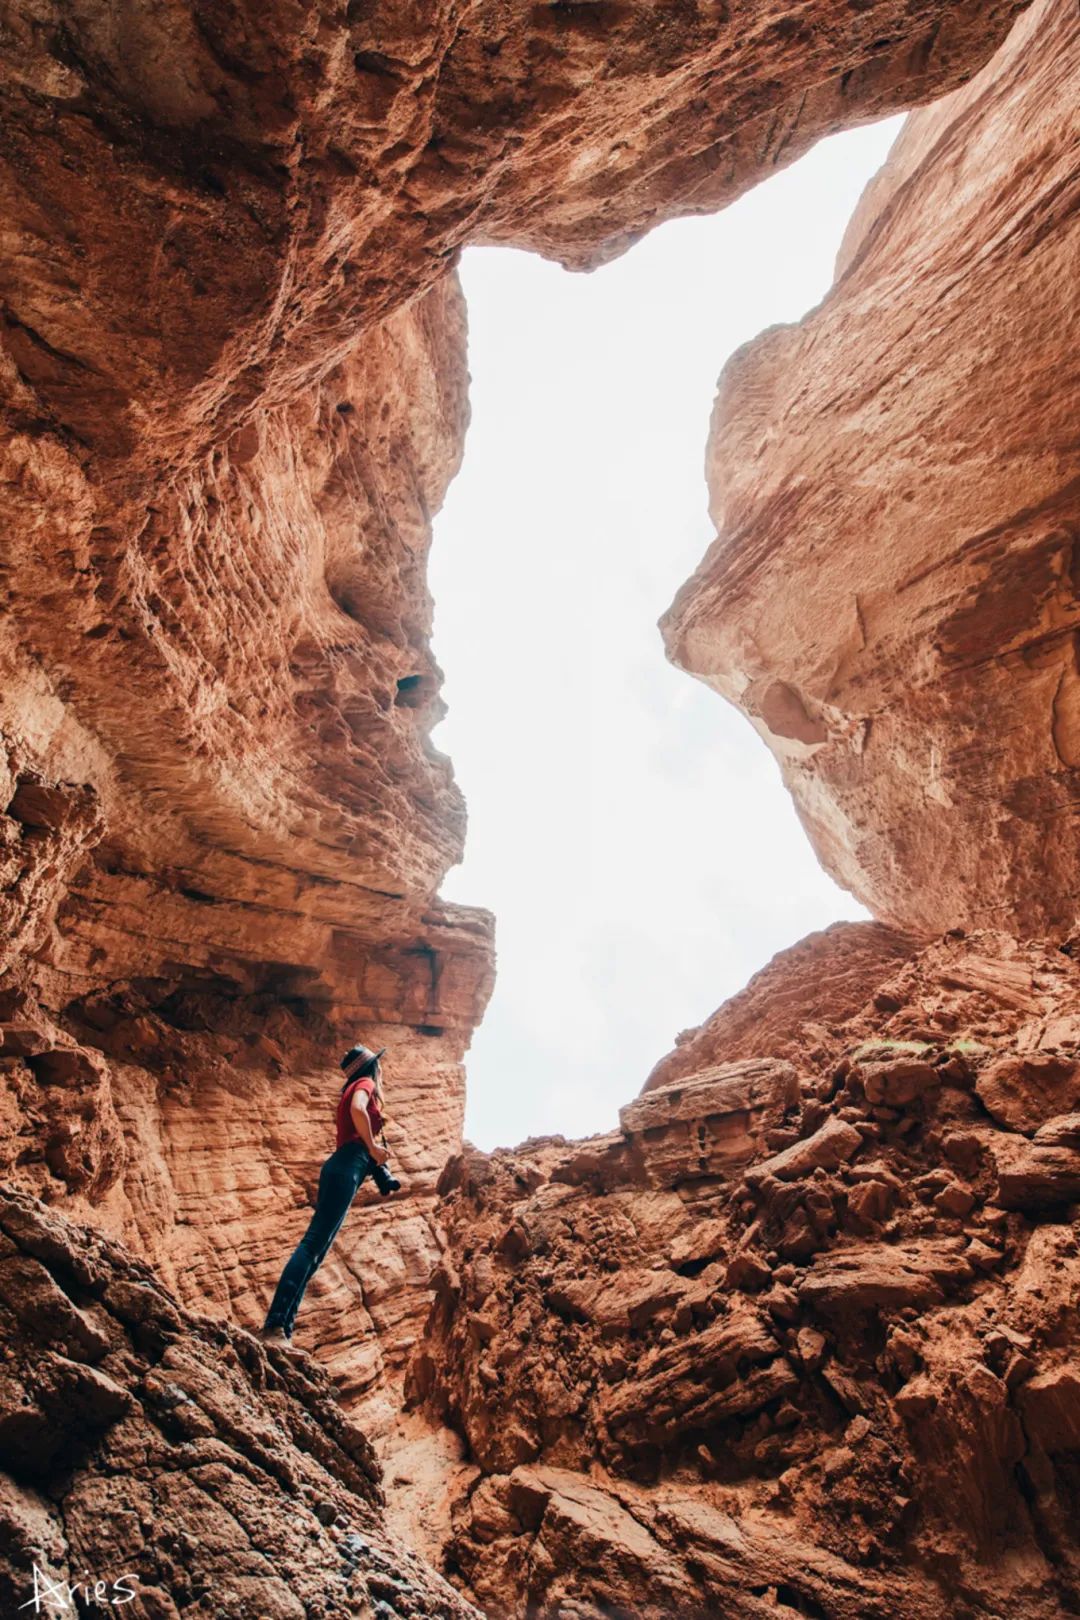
233 385
891 596
233 381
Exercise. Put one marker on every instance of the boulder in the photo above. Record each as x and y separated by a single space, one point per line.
895 1082
831 1146
1031 1176
1023 1093
1049 1404
884 1276
1062 1131
709 1123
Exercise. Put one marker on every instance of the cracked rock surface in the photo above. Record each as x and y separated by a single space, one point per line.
143 1445
800 1335
234 390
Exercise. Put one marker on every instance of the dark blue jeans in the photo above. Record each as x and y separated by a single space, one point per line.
339 1179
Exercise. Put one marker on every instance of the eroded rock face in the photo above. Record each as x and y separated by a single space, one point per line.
233 381
173 1458
801 1334
206 205
225 827
788 1006
234 389
892 594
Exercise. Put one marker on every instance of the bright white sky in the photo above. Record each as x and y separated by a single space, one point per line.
627 827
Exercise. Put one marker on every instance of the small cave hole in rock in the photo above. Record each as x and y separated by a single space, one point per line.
628 829
413 691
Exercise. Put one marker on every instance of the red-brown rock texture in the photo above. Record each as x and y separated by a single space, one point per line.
787 1007
800 1336
224 834
205 202
174 1458
233 384
892 595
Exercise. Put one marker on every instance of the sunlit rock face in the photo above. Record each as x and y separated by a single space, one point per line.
225 827
232 366
800 1335
891 597
233 374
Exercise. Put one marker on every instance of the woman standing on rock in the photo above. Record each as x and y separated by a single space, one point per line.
359 1122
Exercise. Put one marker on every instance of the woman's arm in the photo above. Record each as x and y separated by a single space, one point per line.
358 1105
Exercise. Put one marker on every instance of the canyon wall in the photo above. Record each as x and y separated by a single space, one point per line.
800 1335
234 390
892 594
225 829
233 378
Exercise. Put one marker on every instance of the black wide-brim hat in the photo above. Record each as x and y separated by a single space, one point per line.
361 1058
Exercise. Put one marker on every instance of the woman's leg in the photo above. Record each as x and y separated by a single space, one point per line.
337 1187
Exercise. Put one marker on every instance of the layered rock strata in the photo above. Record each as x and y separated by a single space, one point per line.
224 830
206 205
162 1464
787 1007
233 382
799 1336
891 597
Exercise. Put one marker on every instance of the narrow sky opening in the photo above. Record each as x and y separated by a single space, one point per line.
627 827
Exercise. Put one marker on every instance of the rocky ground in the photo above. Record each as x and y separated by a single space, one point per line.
175 1457
800 1335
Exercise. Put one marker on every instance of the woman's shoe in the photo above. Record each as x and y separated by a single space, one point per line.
278 1339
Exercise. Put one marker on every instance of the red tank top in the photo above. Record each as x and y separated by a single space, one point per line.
346 1130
